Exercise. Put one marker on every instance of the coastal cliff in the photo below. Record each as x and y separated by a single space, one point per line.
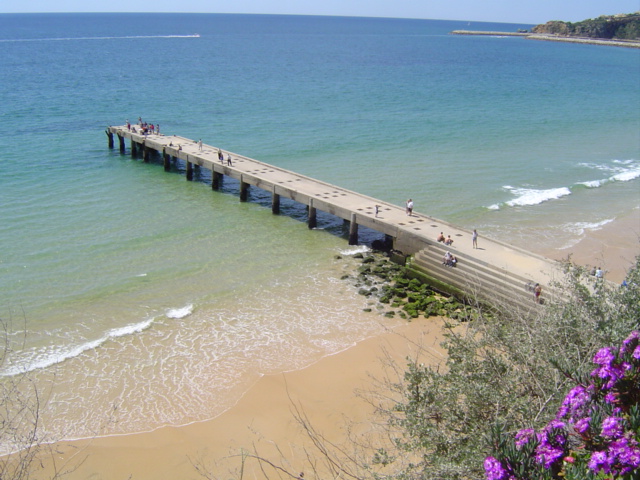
613 27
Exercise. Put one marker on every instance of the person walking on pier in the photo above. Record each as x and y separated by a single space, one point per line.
200 144
474 238
229 161
220 156
409 207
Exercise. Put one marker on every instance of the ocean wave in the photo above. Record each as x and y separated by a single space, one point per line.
626 175
180 312
619 171
593 183
530 196
58 354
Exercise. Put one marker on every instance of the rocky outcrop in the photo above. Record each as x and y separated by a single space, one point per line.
617 27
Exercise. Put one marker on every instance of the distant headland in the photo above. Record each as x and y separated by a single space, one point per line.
622 30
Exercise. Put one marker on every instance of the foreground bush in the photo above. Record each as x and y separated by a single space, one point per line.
595 434
513 371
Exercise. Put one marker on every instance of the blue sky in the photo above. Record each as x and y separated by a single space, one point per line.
510 11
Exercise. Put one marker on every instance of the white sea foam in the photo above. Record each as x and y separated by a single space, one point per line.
54 355
180 312
627 175
620 170
355 249
593 183
579 228
526 196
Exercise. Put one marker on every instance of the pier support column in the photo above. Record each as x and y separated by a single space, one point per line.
388 241
189 169
353 231
275 202
166 158
244 191
110 137
134 148
312 221
121 140
216 180
146 153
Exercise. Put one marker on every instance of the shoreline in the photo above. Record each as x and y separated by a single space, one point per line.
263 417
554 38
613 247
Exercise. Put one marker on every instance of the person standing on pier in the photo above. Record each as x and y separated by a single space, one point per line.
409 207
537 291
229 161
200 144
474 238
220 156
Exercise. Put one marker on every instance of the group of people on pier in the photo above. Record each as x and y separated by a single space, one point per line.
145 128
447 241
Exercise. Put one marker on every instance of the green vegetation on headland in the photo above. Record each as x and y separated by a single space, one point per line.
610 27
621 30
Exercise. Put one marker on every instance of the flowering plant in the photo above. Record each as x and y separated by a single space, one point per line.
595 434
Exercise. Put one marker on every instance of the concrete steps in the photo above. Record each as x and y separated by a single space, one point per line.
478 278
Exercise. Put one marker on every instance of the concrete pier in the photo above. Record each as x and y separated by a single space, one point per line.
494 268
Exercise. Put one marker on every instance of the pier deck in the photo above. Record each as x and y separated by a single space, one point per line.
499 262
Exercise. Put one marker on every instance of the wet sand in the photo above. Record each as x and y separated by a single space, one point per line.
613 248
263 419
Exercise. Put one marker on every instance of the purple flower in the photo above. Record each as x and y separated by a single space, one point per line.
627 454
523 437
604 357
599 461
612 427
493 469
556 424
611 373
582 425
636 353
630 342
547 455
573 403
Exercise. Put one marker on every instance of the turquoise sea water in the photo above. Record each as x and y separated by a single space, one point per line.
139 289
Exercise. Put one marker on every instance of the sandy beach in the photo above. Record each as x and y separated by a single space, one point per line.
614 247
263 420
